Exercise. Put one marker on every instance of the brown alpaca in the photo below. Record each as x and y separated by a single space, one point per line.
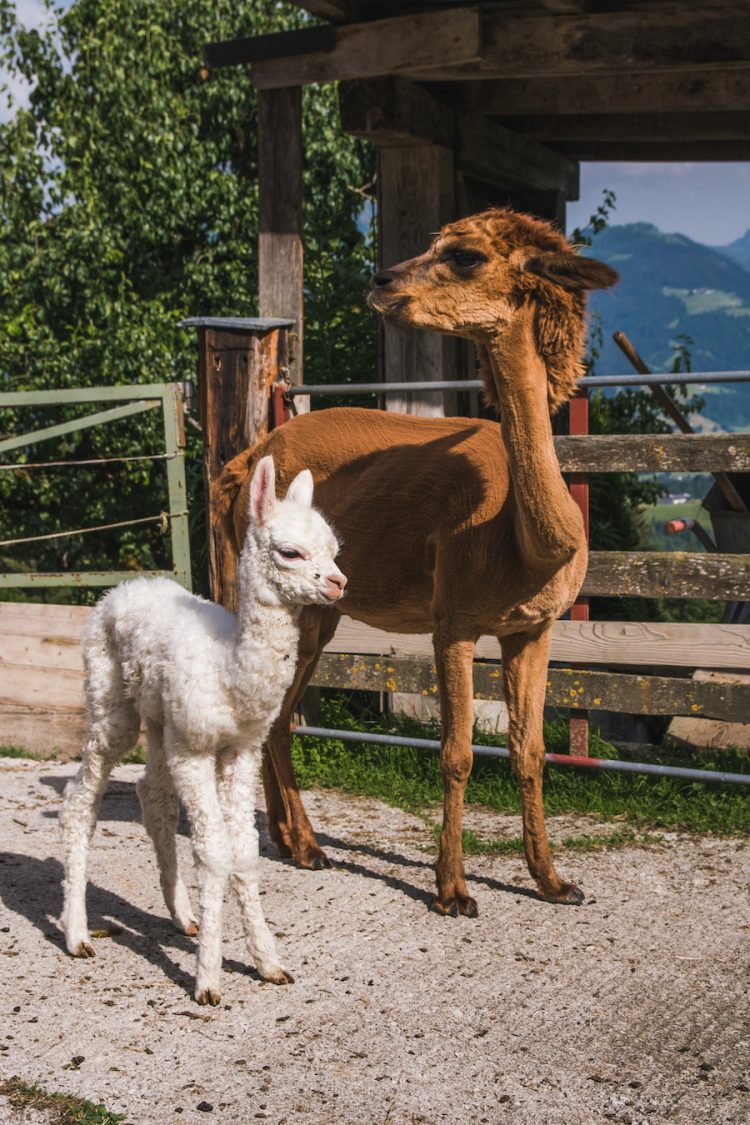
453 526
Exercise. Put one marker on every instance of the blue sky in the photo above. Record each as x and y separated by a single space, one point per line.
708 202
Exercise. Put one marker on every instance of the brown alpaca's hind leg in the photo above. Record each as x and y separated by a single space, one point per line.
288 823
453 660
525 659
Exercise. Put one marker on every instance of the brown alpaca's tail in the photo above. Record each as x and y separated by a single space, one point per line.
226 490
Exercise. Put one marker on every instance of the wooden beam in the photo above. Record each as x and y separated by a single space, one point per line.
392 111
461 43
621 127
642 40
566 687
664 574
655 151
280 252
478 195
631 643
567 7
390 46
654 453
681 92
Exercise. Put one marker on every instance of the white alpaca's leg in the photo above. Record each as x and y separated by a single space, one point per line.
161 813
108 739
194 777
237 777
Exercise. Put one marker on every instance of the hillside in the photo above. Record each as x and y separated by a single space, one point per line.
739 250
671 285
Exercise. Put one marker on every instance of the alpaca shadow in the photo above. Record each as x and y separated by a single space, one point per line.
119 803
35 893
408 889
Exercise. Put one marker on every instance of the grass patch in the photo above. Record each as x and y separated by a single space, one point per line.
411 779
473 845
64 1109
17 752
513 845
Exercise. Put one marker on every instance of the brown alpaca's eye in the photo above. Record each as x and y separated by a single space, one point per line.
464 259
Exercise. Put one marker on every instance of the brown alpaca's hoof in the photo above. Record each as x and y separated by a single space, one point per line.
312 858
568 895
459 904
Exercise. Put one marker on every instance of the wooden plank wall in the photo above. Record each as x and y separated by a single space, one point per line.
41 675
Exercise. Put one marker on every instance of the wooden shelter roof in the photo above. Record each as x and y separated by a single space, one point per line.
587 79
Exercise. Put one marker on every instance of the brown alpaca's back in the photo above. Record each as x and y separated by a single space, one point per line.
422 507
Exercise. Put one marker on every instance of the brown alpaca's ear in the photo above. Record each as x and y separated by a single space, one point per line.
573 273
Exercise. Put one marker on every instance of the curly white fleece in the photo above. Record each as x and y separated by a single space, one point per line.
208 686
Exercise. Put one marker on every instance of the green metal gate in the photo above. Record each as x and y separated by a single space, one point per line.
135 400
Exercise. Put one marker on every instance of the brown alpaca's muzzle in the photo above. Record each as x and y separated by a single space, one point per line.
386 295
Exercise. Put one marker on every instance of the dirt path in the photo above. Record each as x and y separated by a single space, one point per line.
632 1008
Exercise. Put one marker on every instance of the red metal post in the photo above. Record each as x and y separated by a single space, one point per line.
281 405
579 490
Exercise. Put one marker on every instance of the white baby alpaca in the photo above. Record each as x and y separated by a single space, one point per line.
208 686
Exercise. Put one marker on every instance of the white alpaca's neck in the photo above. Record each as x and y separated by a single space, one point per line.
266 638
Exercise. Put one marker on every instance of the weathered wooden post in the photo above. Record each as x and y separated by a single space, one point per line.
239 360
280 249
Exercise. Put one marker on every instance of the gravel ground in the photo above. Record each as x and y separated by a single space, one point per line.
632 1008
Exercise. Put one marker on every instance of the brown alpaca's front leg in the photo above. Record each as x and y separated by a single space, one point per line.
288 824
525 659
453 659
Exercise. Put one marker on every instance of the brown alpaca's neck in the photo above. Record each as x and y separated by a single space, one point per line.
548 520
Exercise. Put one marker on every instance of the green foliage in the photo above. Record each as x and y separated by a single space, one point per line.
129 200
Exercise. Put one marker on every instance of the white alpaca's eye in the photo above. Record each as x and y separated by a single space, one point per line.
289 553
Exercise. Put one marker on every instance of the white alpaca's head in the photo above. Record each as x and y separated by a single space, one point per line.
289 551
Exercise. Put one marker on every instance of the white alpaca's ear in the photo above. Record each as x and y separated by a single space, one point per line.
263 492
301 489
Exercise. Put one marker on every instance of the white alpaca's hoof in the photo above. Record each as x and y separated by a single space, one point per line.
187 926
82 948
276 975
210 996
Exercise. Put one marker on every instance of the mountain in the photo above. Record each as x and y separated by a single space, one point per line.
672 286
739 250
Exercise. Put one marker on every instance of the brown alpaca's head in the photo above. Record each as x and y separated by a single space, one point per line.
480 271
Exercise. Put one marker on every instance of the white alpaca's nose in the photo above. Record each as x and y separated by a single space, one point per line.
336 583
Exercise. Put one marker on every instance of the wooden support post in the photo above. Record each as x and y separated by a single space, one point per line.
416 196
280 256
239 360
476 195
579 490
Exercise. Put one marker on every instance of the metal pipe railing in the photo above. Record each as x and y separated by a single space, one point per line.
613 764
441 386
